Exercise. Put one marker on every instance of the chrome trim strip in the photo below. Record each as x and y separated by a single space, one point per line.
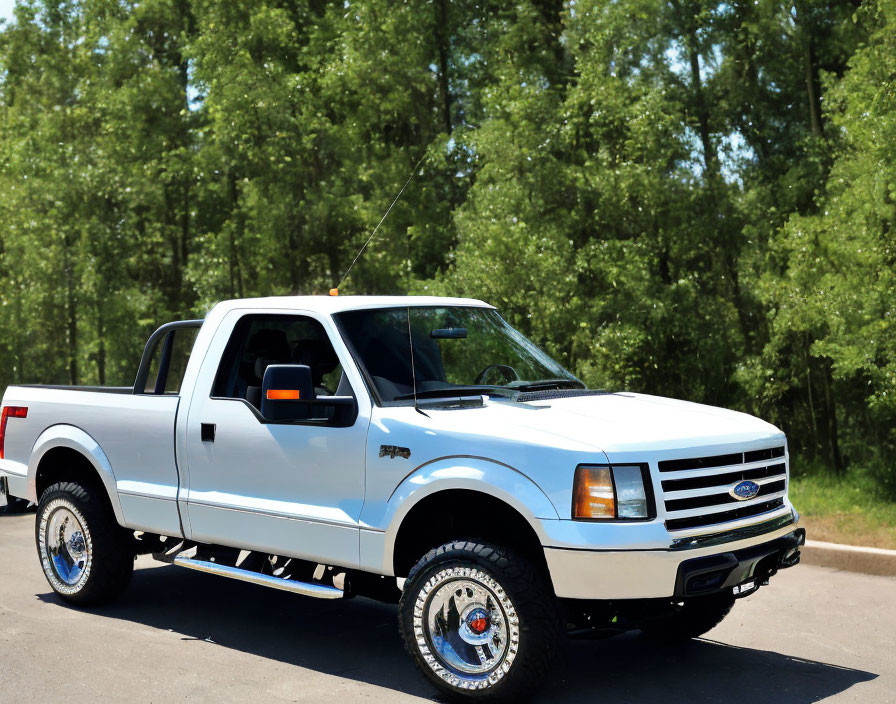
709 511
713 528
726 469
730 536
720 489
140 495
319 591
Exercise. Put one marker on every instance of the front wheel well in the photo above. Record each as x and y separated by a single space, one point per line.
462 514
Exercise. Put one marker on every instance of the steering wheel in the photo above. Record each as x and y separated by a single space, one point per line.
509 371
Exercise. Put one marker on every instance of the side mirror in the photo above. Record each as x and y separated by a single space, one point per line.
287 392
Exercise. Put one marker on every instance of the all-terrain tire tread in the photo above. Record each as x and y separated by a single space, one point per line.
532 596
113 554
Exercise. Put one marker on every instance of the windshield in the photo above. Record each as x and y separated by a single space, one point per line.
460 350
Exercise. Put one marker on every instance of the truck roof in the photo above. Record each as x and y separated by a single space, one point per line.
338 304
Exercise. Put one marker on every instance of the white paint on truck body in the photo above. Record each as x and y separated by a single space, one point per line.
327 494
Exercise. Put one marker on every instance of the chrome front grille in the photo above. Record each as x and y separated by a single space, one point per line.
696 490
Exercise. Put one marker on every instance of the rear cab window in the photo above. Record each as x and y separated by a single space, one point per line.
176 345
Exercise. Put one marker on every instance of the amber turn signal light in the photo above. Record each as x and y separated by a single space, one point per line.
283 394
593 495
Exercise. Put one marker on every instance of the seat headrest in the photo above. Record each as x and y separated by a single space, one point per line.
317 354
268 346
269 340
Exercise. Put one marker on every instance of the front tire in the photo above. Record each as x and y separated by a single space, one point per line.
480 621
86 556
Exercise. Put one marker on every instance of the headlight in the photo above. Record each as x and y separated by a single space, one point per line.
604 492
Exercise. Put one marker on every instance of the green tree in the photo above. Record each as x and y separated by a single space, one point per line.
835 299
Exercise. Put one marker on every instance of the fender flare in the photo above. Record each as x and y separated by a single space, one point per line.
73 438
480 474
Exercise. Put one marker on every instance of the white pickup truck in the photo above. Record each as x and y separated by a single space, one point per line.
410 449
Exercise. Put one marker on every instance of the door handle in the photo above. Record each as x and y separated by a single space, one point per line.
207 431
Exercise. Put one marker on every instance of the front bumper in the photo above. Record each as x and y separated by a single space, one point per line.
650 574
742 571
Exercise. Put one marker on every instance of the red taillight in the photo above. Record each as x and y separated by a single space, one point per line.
10 412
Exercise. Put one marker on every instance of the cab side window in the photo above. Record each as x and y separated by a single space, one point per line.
258 341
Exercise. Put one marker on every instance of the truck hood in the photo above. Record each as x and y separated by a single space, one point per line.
545 440
617 422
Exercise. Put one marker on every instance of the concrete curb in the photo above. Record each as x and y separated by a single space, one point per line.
850 557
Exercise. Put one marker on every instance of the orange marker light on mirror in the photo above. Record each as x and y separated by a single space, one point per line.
283 394
334 291
593 495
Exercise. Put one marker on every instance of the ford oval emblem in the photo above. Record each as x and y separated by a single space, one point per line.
744 490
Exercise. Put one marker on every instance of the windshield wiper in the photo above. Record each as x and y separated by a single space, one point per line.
546 384
450 391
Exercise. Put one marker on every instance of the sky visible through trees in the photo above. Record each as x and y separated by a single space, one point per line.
678 197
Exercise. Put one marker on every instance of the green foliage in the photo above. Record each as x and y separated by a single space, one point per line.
679 197
855 507
831 338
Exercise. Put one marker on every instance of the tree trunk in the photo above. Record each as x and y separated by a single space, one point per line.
812 415
710 158
836 458
442 39
235 232
19 341
71 313
172 274
753 126
551 12
802 17
184 239
293 251
812 86
101 339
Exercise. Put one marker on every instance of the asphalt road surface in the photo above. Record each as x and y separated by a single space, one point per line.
814 634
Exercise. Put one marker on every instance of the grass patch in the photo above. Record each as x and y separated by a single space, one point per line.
853 509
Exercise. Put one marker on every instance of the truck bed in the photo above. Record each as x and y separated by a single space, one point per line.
128 437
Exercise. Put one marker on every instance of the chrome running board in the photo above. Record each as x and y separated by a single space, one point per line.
319 591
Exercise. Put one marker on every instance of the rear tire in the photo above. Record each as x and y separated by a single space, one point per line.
688 619
480 621
86 556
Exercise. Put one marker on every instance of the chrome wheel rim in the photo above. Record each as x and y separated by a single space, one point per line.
467 628
65 547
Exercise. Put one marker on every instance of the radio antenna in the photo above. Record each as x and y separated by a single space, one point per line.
413 365
385 215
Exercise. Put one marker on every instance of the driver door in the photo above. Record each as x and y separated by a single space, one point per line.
287 488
